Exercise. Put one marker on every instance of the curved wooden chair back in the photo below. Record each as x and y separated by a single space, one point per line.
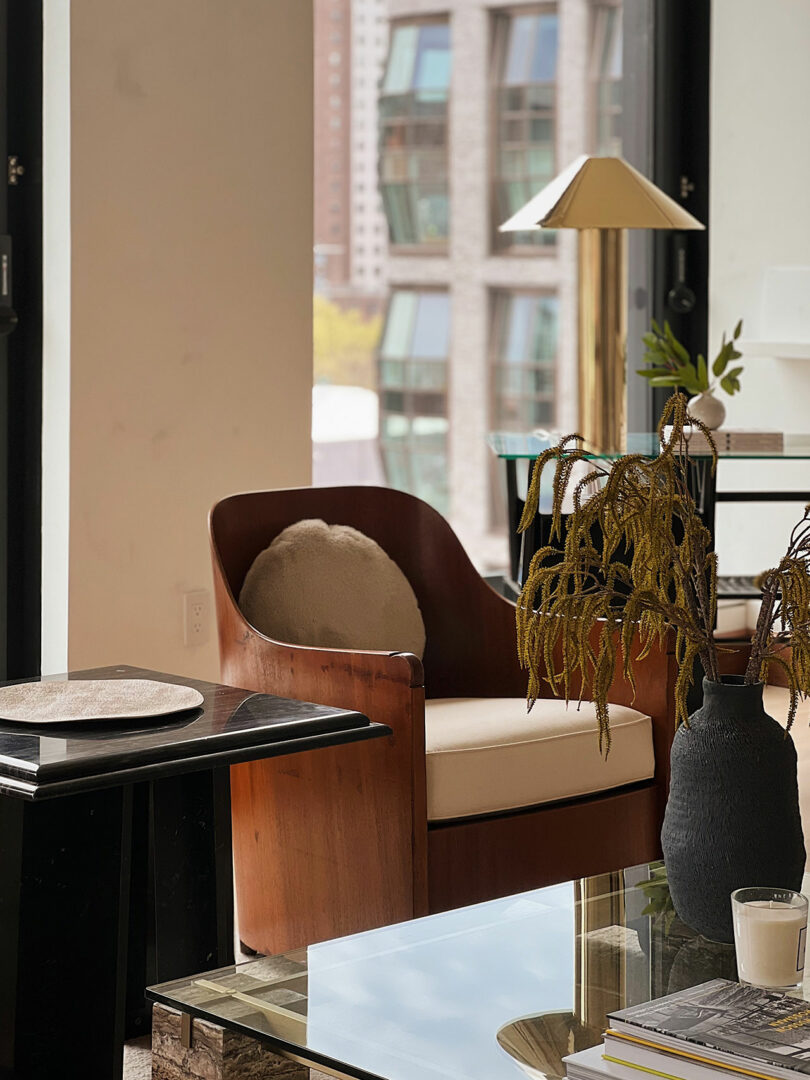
470 649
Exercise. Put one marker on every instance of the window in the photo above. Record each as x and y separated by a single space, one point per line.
524 88
413 134
606 78
413 393
524 356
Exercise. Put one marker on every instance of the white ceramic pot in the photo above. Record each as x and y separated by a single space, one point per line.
708 409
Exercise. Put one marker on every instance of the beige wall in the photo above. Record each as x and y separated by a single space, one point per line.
191 372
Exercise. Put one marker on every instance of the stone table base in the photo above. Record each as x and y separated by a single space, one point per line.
213 1053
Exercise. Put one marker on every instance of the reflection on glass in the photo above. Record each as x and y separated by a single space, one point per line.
413 134
606 76
413 403
438 997
524 353
525 93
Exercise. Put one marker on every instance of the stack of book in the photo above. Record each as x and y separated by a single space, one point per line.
717 1028
731 441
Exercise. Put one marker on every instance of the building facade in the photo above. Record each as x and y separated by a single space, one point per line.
460 111
480 106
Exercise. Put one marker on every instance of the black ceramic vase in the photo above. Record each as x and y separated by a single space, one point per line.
732 818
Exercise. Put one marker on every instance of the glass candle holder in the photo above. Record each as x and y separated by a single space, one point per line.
770 934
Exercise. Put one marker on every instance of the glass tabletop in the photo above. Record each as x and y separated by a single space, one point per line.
517 445
438 997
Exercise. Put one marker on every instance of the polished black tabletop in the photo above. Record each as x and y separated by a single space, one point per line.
232 725
490 992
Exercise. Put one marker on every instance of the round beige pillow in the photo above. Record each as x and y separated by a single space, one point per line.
330 585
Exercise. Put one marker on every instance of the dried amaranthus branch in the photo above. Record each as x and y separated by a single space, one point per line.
637 558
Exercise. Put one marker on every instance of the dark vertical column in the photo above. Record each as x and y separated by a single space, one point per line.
514 510
24 383
141 969
11 849
193 873
681 168
64 909
5 377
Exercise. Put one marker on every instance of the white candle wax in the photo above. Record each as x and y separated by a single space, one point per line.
770 939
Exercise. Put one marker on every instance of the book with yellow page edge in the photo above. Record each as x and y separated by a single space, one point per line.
593 1064
743 1030
732 441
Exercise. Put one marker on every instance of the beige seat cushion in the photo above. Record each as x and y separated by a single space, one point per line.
331 586
487 754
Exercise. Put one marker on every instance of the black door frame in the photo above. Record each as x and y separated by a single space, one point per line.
21 510
682 101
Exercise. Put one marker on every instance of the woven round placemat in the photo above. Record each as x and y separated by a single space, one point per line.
94 699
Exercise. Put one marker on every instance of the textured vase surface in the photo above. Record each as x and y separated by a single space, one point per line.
708 409
732 818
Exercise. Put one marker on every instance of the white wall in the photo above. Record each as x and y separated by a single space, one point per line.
190 335
760 217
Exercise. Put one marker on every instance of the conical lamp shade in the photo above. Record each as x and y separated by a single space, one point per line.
600 193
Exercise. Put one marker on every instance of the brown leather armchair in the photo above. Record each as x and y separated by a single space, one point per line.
339 840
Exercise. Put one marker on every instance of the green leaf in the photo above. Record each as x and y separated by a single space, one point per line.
652 373
727 384
689 371
702 372
735 372
656 327
738 329
721 361
665 380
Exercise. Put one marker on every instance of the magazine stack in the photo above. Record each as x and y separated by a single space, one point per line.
696 1034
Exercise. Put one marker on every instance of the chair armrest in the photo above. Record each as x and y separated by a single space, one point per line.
388 688
342 678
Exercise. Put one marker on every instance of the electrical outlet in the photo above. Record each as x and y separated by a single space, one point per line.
196 617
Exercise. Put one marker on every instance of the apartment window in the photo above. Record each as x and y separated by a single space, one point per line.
413 135
524 356
606 79
413 393
524 91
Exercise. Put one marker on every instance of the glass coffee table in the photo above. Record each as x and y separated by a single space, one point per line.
439 996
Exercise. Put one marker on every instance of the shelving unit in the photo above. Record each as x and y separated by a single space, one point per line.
779 350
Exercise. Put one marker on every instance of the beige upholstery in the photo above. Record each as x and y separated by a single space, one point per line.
331 586
486 755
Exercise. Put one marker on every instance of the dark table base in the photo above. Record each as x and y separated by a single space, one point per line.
102 894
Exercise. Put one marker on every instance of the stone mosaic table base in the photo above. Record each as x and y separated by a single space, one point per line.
187 1049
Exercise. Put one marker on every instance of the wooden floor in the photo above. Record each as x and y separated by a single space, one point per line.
776 703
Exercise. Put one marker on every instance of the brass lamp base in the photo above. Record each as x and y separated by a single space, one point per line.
603 338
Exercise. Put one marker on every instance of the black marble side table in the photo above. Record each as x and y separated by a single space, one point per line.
116 867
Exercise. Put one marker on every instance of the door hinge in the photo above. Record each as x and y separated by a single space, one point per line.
15 170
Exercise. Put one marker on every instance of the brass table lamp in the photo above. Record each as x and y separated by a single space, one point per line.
601 197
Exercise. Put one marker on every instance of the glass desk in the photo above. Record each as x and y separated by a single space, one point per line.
513 448
527 445
437 997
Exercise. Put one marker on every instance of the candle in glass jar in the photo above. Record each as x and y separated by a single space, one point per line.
770 929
